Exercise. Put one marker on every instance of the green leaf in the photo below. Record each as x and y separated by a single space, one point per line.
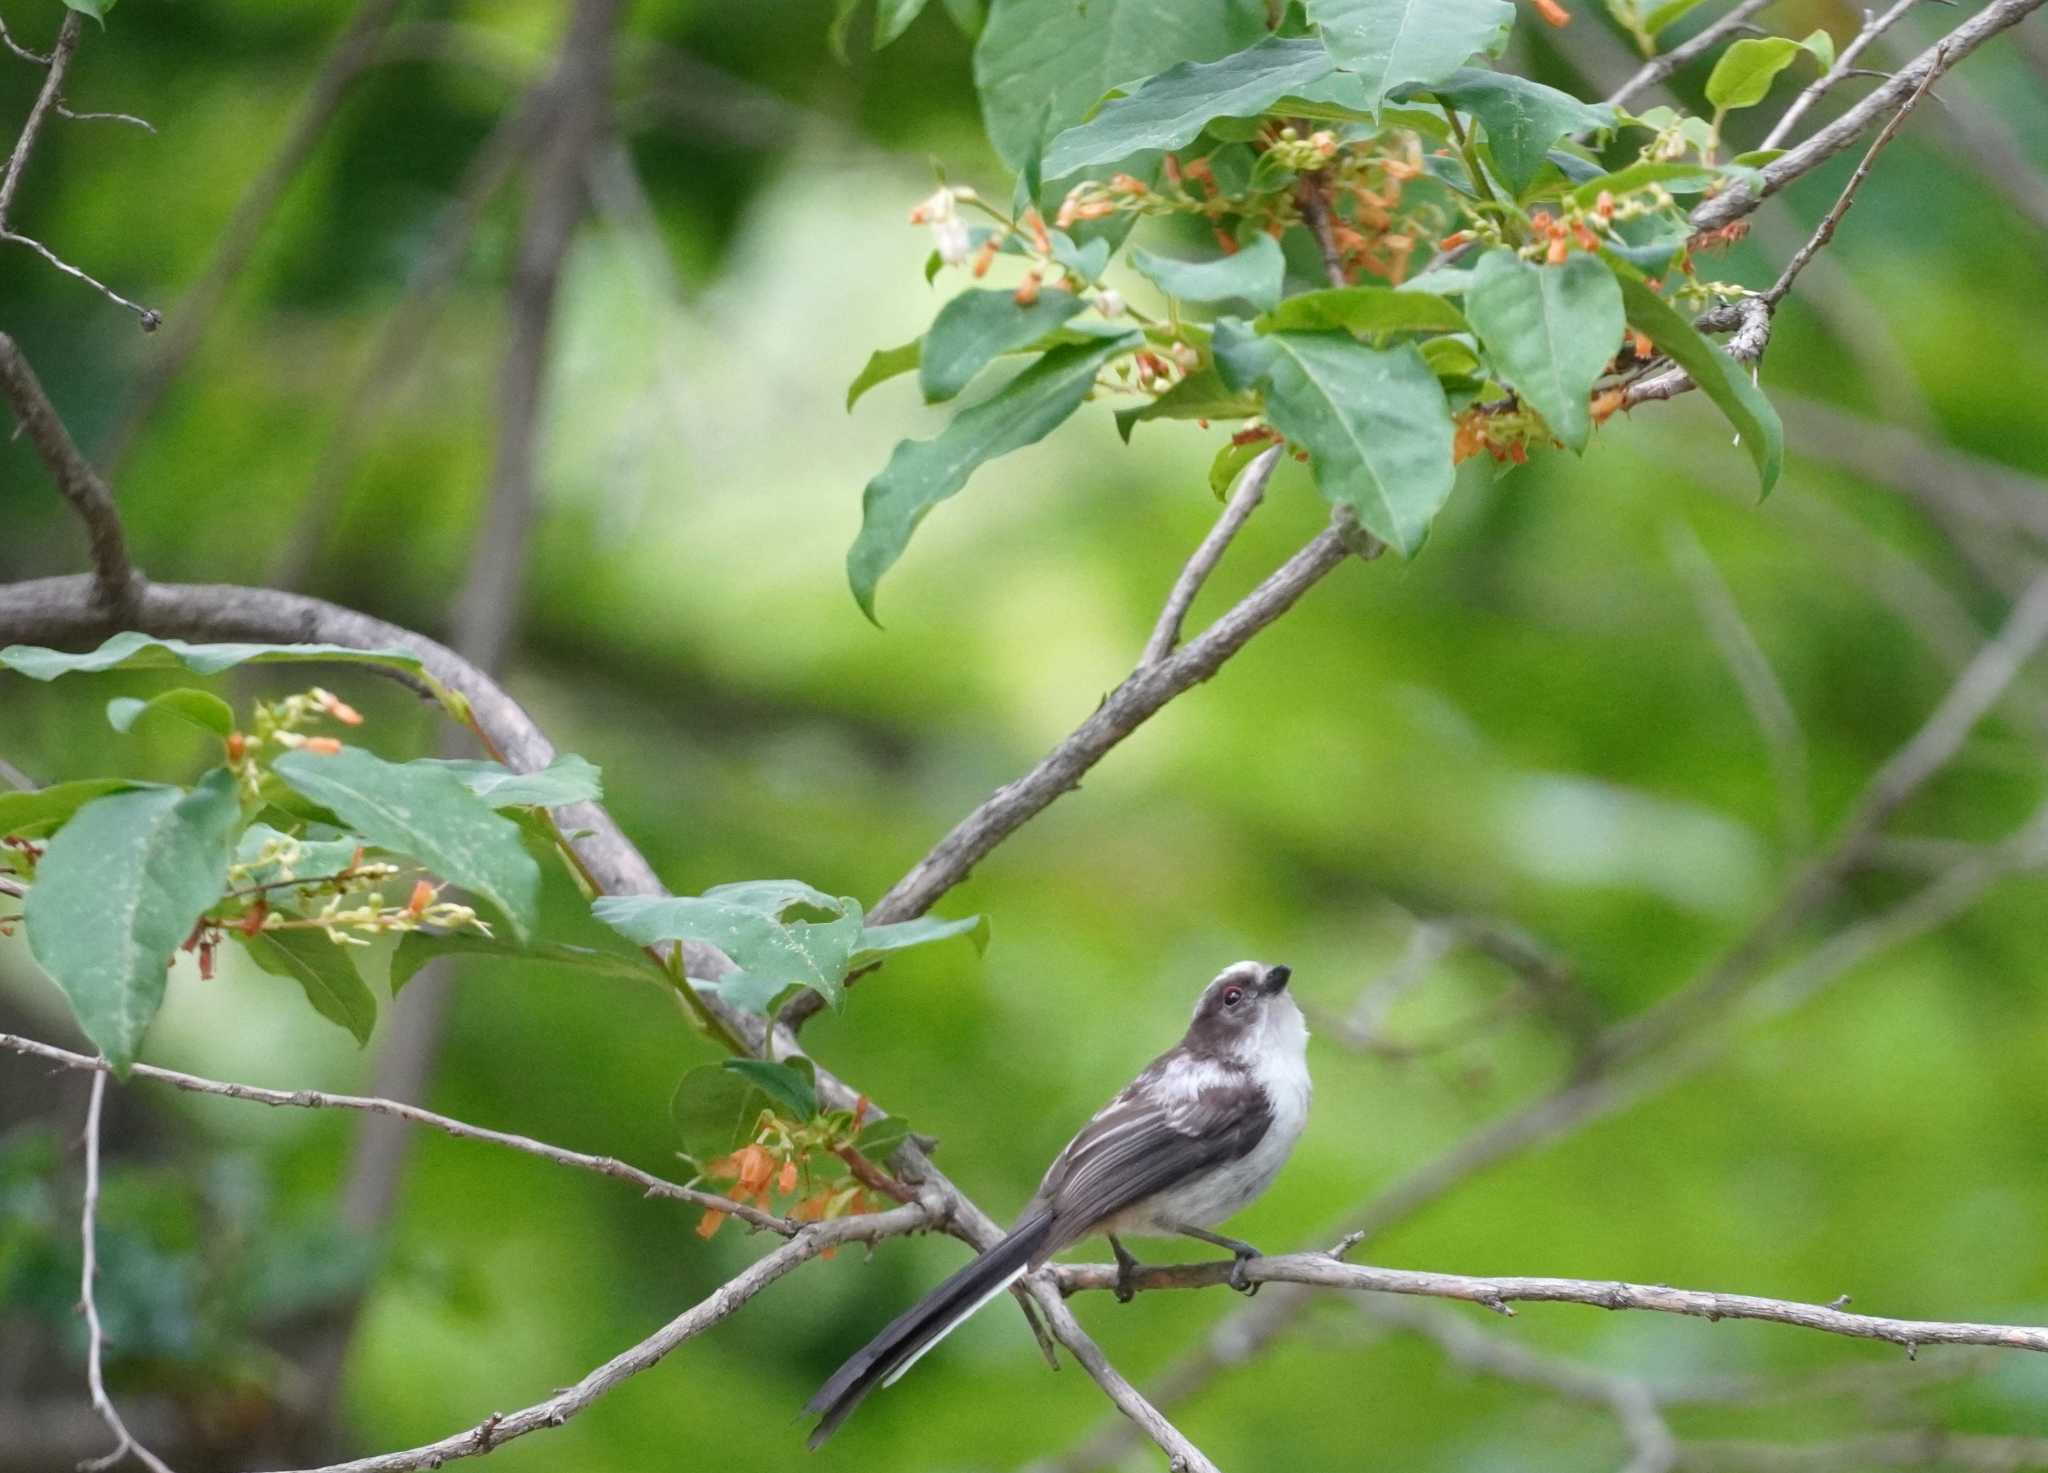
1253 275
1521 118
1374 420
119 891
1201 395
884 364
841 23
1549 332
879 1139
567 779
767 928
1820 46
45 810
1679 178
201 708
314 859
332 984
793 1085
97 9
428 813
1667 14
1171 109
1719 377
1391 43
1040 68
1229 464
893 18
877 942
418 948
1372 309
132 651
718 1106
968 15
980 325
1743 75
922 473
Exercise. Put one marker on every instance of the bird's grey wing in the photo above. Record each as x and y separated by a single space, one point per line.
1139 1146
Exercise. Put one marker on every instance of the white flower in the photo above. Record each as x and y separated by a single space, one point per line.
949 231
1109 303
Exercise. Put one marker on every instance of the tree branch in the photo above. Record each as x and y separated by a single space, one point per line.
1654 71
1244 500
498 1429
61 53
1738 200
116 585
1875 24
311 1099
95 1335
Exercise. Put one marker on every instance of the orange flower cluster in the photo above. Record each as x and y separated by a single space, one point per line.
759 1174
1372 237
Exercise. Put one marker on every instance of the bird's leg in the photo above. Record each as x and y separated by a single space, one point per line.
1126 1268
1241 1252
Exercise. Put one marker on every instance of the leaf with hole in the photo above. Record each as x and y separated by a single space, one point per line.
118 891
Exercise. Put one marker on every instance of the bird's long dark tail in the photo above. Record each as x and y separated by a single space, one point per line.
926 1323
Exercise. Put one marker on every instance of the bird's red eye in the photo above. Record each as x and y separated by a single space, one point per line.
1232 996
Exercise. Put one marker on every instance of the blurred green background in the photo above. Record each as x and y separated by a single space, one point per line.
1531 723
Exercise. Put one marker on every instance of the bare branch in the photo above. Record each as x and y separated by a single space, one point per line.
1326 1271
1183 1455
46 99
7 39
116 585
311 1099
1653 72
498 1429
1825 231
149 318
95 1335
196 309
1244 500
129 118
1738 200
1875 24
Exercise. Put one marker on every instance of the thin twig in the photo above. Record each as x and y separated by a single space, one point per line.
1654 71
728 1298
1244 500
46 99
116 585
129 118
309 1099
36 57
1740 199
148 317
1825 231
1874 25
95 1335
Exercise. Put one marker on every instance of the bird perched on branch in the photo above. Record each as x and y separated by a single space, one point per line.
1197 1136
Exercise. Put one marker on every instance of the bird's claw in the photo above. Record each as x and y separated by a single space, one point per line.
1238 1279
1123 1289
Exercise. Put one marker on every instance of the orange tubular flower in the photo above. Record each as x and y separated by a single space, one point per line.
1553 12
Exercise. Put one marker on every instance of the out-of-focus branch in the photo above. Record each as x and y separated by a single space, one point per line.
312 1099
116 585
1244 500
1738 200
196 309
95 1334
15 778
500 1428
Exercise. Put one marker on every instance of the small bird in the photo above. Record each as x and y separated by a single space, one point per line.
1197 1136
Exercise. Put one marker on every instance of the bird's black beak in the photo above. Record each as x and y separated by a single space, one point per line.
1275 980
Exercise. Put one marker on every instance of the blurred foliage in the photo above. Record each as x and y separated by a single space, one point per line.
1529 721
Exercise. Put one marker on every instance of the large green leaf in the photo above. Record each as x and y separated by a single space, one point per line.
132 651
119 891
1743 75
1253 275
202 708
1521 118
1719 377
1549 332
766 929
27 815
421 947
567 779
1041 67
1391 43
324 970
1201 395
1171 110
1368 309
980 325
1374 420
922 473
427 812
